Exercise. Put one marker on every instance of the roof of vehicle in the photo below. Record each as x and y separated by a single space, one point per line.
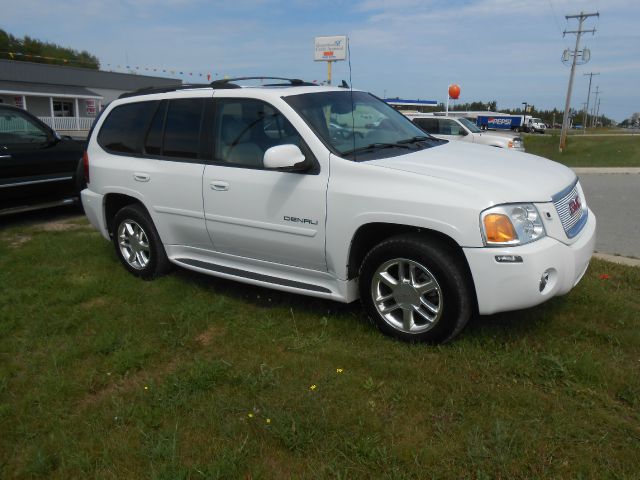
283 87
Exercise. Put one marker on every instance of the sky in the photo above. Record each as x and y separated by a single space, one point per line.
504 50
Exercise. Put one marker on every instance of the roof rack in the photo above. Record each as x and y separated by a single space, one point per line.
223 83
172 88
227 82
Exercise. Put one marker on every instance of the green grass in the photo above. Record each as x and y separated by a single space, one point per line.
103 375
600 151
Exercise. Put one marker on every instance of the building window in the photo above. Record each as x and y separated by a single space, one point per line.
62 108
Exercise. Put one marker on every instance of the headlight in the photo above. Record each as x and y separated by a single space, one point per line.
514 224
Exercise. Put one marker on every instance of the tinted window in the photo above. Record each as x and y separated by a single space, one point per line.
450 127
153 143
427 124
123 129
18 128
245 129
182 128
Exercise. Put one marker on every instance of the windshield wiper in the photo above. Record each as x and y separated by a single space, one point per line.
420 138
377 146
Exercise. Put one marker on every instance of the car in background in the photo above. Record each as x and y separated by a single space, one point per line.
456 128
38 167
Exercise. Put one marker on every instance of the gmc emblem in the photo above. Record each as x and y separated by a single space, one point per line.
574 205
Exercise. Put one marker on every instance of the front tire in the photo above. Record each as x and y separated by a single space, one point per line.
137 243
416 289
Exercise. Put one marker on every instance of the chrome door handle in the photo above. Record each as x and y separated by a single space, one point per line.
5 156
141 177
219 186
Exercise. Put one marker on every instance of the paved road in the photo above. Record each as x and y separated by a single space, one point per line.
615 199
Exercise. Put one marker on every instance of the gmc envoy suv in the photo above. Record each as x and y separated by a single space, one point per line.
330 192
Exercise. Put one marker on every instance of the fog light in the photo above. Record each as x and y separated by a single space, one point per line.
548 280
544 280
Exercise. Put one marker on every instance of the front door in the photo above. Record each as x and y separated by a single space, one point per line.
256 213
35 166
449 129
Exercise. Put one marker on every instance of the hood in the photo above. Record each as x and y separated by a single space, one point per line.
499 175
501 135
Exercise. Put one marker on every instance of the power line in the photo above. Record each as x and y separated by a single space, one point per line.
555 17
581 17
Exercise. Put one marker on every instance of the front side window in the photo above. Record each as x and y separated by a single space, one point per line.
244 129
17 128
124 128
450 127
358 126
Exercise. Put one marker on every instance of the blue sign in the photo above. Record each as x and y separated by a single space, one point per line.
499 122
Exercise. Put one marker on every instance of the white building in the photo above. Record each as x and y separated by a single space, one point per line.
67 98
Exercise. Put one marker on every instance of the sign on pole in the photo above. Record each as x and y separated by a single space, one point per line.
329 49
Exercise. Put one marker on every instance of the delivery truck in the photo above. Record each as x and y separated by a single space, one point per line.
518 123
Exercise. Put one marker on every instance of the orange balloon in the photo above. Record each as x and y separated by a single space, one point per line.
454 91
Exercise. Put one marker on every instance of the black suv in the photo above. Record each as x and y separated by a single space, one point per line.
38 167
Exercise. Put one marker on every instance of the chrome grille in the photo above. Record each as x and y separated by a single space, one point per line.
572 222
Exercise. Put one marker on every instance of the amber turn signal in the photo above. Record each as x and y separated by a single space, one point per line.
499 228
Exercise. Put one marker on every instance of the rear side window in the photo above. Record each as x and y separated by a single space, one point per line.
182 128
429 125
124 128
153 143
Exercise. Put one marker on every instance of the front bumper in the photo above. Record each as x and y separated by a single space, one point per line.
503 287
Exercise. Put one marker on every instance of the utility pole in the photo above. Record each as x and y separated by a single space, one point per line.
593 111
598 111
581 18
586 109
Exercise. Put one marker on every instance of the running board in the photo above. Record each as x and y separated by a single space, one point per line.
236 272
39 206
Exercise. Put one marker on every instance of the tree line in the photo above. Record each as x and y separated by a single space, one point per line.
550 117
32 50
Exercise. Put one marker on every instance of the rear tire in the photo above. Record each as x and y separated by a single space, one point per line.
137 243
416 289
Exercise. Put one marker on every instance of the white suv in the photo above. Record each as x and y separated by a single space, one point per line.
330 192
457 128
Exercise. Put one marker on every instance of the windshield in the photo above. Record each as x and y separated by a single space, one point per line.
470 125
536 120
359 126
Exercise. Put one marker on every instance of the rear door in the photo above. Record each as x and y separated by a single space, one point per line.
156 154
449 129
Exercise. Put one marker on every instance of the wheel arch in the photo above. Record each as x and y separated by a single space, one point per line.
113 203
369 235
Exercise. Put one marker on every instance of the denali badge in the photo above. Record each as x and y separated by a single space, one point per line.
300 220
